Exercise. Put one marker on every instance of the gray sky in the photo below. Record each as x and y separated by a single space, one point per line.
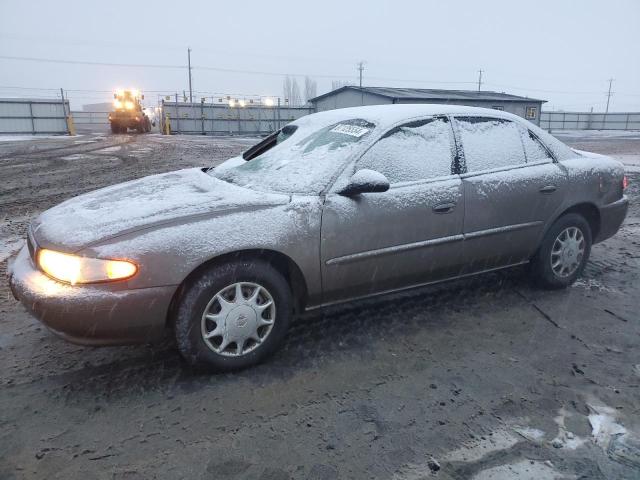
562 51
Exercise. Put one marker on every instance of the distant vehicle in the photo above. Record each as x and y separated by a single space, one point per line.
128 112
335 206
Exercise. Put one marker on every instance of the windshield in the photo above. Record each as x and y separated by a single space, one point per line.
304 163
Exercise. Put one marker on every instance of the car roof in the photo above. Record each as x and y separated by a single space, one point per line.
388 115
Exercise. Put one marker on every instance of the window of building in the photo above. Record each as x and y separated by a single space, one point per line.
411 152
490 143
498 107
532 113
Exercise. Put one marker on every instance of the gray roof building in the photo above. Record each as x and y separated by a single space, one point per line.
352 96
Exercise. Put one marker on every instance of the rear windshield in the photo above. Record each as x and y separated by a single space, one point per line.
303 162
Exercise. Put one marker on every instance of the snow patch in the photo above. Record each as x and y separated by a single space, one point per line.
472 452
115 148
9 246
26 138
593 284
604 425
75 156
522 470
531 434
565 438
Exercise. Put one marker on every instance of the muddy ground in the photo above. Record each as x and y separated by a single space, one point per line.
488 378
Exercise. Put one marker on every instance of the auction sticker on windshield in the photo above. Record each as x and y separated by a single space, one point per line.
353 130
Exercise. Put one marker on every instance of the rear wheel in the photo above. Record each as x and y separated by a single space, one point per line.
563 253
115 128
233 315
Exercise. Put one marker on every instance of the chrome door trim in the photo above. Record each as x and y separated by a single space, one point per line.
507 228
394 249
429 243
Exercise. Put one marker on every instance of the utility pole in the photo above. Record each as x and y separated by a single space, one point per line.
360 70
479 79
189 66
608 96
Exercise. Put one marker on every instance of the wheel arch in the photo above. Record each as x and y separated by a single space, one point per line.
590 213
281 262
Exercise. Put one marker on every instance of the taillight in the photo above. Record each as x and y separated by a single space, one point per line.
625 182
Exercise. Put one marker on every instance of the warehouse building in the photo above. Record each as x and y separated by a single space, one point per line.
351 96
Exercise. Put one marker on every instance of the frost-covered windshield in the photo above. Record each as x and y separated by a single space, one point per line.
305 163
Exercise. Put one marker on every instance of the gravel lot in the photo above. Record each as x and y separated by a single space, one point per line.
488 378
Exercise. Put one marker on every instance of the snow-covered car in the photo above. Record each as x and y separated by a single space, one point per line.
336 206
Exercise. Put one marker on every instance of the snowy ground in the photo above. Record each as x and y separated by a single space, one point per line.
488 378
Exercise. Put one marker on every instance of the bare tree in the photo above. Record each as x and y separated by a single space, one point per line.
310 89
336 84
291 91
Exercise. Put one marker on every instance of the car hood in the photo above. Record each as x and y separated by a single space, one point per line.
141 204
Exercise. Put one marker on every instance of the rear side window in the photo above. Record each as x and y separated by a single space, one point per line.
414 151
490 143
534 150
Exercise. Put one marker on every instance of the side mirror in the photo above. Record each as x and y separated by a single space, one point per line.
365 181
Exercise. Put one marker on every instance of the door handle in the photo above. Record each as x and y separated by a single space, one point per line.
444 207
548 189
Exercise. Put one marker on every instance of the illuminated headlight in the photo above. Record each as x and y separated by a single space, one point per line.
117 104
128 105
75 269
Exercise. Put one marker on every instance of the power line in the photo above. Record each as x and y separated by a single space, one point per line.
282 74
217 69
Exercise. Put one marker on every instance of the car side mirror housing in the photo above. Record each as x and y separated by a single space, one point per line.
365 181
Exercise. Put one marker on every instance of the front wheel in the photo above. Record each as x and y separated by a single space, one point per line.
563 253
233 315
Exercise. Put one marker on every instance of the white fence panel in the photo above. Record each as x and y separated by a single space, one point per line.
220 119
21 115
589 121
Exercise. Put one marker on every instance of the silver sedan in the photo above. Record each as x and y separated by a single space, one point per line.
335 206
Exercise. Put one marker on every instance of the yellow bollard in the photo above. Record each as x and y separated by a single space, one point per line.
71 127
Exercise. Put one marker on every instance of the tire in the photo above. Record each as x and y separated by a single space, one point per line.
573 230
200 296
115 128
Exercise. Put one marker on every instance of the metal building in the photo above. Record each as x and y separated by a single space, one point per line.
351 96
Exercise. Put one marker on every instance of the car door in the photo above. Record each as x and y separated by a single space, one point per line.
408 235
512 187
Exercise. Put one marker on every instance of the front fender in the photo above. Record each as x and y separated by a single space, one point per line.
166 255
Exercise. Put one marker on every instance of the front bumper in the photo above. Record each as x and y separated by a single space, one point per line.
126 120
611 218
99 314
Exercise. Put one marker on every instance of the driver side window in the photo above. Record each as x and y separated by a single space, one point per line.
414 151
